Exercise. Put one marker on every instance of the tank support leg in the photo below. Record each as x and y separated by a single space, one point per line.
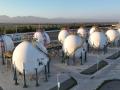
37 84
74 59
85 56
46 73
81 59
15 77
25 85
3 59
48 66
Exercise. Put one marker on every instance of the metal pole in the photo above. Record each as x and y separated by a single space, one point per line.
3 49
67 59
25 85
48 66
63 57
46 73
97 62
106 48
58 83
74 58
88 47
15 76
37 84
81 59
85 56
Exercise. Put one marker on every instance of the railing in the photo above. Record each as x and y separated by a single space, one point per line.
18 37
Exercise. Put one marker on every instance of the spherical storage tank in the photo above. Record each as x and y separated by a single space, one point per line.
28 57
112 35
6 43
62 35
118 33
98 40
82 32
71 43
118 30
93 29
39 37
42 37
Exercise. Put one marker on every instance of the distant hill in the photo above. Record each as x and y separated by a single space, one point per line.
33 19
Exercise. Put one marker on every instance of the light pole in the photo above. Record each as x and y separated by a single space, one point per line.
58 82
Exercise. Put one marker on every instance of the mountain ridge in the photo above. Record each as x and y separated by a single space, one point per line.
35 19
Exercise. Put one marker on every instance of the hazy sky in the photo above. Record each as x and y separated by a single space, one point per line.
61 8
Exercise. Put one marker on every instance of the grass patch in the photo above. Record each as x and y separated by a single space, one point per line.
66 85
114 56
91 70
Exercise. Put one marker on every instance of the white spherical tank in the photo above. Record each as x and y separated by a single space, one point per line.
39 37
82 32
93 29
118 33
118 30
98 40
42 37
71 43
62 35
112 35
28 57
7 42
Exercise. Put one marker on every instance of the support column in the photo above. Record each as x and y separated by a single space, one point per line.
46 79
74 58
3 50
25 85
37 84
67 59
81 59
15 76
48 67
85 56
63 57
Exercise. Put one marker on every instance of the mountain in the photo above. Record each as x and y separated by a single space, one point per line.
33 19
